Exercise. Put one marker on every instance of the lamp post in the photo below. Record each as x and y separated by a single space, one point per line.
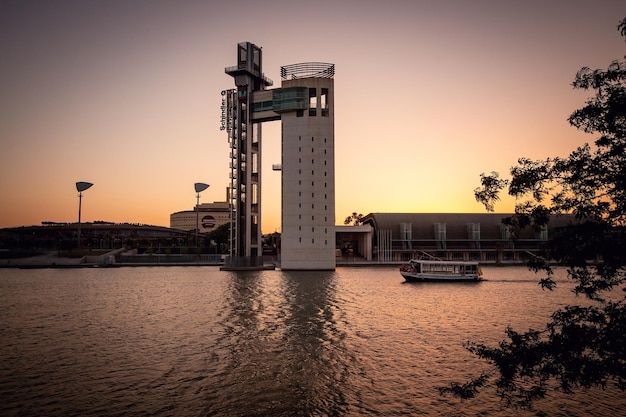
199 187
80 187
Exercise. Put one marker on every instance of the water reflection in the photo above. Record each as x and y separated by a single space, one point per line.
316 360
280 351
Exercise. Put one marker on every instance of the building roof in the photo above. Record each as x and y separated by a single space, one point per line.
99 228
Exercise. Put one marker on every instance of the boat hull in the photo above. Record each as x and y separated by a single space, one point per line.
412 277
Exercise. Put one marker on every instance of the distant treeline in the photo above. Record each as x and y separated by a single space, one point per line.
67 223
94 222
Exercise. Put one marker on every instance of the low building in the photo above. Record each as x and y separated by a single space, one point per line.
399 237
97 235
206 217
353 243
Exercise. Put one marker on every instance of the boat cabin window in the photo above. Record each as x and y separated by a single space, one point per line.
445 268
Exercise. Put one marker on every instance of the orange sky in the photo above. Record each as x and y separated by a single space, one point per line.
428 94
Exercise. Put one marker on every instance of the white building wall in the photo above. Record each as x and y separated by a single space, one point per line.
308 182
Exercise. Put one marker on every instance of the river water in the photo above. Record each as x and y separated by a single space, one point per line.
197 341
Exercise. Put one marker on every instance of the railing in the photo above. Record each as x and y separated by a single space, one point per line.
237 68
487 256
164 259
307 70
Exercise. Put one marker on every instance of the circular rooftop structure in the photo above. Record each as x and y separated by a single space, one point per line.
307 70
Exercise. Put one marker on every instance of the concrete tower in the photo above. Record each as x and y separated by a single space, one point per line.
308 169
305 106
245 142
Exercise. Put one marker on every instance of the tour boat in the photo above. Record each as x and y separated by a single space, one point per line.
418 270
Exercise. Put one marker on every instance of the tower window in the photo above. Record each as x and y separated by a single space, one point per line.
312 102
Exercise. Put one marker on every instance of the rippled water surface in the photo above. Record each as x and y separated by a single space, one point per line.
196 341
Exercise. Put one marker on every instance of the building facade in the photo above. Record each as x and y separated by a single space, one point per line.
399 237
204 218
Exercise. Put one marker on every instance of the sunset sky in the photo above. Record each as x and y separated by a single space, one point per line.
428 94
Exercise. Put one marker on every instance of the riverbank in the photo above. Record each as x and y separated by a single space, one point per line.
107 260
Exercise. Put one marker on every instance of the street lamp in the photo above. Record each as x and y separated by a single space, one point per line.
80 187
199 187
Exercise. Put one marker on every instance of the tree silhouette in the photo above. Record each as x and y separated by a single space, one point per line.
354 219
582 346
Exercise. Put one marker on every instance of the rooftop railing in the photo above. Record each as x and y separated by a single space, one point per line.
307 70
